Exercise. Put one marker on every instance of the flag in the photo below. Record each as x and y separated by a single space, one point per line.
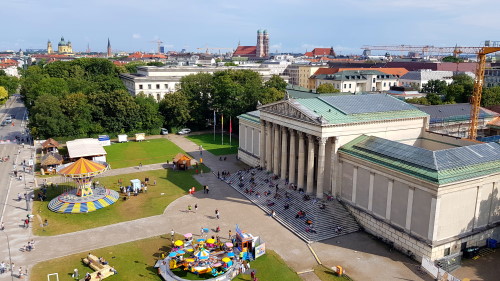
222 128
230 125
215 121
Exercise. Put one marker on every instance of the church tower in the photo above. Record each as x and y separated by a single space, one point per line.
260 44
49 48
109 54
265 43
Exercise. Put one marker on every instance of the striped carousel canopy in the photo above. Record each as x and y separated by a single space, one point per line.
83 167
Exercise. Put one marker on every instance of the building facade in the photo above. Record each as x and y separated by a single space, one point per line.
429 194
159 81
259 51
355 81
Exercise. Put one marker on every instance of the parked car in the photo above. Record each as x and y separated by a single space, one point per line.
163 131
4 123
184 131
8 120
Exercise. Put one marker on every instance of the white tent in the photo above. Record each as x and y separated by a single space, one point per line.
136 184
122 138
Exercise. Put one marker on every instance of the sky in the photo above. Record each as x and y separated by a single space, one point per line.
293 25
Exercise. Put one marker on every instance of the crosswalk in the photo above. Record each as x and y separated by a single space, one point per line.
259 186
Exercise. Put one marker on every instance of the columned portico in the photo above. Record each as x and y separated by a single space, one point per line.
276 151
262 144
291 168
284 150
310 164
300 164
321 167
268 150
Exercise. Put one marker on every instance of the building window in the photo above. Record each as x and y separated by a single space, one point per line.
158 97
149 86
350 86
384 84
373 80
157 86
345 86
140 87
447 251
166 86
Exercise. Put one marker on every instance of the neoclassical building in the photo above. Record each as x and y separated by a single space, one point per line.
431 194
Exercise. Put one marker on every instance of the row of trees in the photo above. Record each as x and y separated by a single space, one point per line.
459 91
8 86
84 97
228 92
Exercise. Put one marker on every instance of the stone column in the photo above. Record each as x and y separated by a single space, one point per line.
321 167
291 167
269 151
284 152
335 167
276 149
310 164
300 164
262 144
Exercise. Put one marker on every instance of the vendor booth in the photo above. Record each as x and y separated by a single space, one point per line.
182 161
122 138
140 136
135 185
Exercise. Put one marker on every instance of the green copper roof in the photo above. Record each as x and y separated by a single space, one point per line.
441 167
253 116
329 108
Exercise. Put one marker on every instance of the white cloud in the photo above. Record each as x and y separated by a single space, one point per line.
136 36
275 47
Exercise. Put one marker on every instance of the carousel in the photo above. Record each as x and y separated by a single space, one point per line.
85 198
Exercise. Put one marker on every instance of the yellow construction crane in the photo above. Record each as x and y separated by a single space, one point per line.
159 42
213 48
481 53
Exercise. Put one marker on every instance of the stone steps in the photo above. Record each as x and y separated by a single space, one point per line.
325 221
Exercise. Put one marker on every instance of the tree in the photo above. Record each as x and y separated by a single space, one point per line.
175 109
230 63
276 82
198 90
421 100
460 89
79 113
326 88
434 99
2 72
150 118
434 86
155 63
490 96
452 59
10 83
3 94
47 118
269 95
132 66
455 93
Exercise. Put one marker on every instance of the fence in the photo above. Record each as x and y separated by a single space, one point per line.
436 272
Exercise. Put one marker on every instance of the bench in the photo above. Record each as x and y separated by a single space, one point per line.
93 262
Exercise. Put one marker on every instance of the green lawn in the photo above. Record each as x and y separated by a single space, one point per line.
135 261
216 147
129 154
172 184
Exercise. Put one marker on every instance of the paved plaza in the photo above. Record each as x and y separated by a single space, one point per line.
361 256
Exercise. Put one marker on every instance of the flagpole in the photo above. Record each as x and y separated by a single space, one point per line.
222 129
214 125
230 129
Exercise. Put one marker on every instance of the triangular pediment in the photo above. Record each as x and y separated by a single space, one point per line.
291 110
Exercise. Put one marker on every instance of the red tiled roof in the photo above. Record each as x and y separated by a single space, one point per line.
322 51
139 55
393 71
245 50
308 54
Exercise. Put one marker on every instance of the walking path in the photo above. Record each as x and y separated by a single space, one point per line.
234 209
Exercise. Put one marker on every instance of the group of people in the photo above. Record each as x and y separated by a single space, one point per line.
6 267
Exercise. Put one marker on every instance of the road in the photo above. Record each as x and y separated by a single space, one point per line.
16 108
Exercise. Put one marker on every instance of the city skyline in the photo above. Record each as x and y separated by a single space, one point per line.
293 25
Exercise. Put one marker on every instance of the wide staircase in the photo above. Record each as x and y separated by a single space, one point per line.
329 217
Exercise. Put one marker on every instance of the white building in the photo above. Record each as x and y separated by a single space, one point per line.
429 194
356 81
417 79
159 81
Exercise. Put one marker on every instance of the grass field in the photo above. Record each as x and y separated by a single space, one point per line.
172 183
216 147
129 154
135 261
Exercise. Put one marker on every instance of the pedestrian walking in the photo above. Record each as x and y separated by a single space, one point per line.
26 223
218 174
140 165
230 234
208 189
189 208
20 275
75 274
204 189
195 207
172 233
2 226
217 213
2 267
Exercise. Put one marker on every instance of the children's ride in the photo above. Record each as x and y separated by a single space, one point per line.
85 198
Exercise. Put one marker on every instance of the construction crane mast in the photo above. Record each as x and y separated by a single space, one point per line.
481 53
158 42
213 48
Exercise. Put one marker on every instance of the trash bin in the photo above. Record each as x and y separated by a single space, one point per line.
491 243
